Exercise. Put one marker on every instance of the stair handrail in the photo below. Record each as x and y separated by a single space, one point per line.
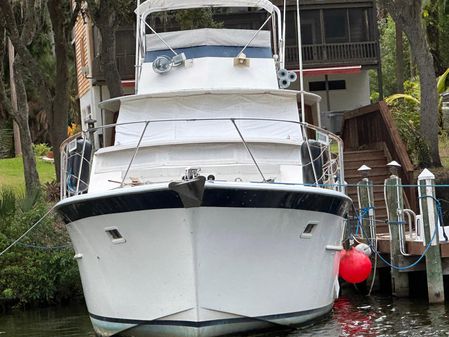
384 130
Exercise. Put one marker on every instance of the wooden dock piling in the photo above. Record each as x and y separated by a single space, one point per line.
395 205
366 208
427 204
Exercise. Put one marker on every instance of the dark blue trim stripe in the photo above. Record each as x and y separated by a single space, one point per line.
213 197
203 324
212 51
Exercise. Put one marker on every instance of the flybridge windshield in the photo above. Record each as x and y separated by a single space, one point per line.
209 17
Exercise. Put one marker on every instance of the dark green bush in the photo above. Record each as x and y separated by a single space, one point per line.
39 270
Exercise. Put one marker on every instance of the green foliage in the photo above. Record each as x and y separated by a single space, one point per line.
41 150
373 83
392 98
436 18
40 269
196 18
405 110
387 30
7 203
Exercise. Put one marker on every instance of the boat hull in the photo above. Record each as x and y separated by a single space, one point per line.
208 270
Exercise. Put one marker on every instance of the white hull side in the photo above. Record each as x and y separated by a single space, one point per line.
207 264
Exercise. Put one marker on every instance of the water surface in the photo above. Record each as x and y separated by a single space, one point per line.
353 315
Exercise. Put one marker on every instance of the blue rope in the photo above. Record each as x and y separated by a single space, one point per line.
429 244
440 215
362 215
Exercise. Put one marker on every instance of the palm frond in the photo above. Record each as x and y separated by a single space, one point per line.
391 99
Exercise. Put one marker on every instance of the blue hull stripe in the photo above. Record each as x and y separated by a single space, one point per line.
212 51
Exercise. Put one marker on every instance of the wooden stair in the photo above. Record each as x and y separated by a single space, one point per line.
377 161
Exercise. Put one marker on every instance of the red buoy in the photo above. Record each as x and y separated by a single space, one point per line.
355 267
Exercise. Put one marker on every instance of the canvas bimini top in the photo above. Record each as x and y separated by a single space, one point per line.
152 6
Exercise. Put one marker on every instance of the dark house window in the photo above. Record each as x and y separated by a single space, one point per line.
333 85
311 27
335 25
359 26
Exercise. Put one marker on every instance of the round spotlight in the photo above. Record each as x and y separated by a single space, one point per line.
292 77
162 64
283 73
284 83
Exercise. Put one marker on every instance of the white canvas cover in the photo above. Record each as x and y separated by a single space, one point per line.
265 106
208 37
151 6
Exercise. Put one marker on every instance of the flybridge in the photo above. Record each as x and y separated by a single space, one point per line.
178 60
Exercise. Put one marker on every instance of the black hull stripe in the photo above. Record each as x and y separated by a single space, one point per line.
216 197
203 324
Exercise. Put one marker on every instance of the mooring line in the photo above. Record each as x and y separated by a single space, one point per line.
26 233
375 251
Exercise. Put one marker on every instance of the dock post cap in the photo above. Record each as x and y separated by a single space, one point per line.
364 171
425 175
393 163
364 168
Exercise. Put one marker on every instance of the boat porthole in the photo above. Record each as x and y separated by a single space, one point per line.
308 231
115 235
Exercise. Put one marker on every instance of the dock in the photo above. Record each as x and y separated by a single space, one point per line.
403 240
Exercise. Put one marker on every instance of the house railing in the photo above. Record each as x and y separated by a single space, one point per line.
321 153
336 53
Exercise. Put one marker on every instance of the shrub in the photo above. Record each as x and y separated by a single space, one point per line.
40 269
41 150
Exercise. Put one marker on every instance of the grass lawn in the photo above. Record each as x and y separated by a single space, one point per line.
11 173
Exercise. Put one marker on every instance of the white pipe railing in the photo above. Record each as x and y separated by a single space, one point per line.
330 157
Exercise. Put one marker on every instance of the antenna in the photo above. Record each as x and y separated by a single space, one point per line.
284 25
137 61
301 70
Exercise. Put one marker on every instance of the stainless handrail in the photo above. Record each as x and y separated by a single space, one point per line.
332 176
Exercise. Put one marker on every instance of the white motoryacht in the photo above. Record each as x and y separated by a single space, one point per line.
217 207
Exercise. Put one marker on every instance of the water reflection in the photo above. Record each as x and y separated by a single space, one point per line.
352 316
380 317
51 322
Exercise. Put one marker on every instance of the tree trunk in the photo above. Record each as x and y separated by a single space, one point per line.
31 175
105 18
429 95
399 61
108 61
58 115
12 85
408 14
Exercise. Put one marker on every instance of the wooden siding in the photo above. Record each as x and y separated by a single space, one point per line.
81 55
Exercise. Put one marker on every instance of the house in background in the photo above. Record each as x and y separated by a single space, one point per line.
339 46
